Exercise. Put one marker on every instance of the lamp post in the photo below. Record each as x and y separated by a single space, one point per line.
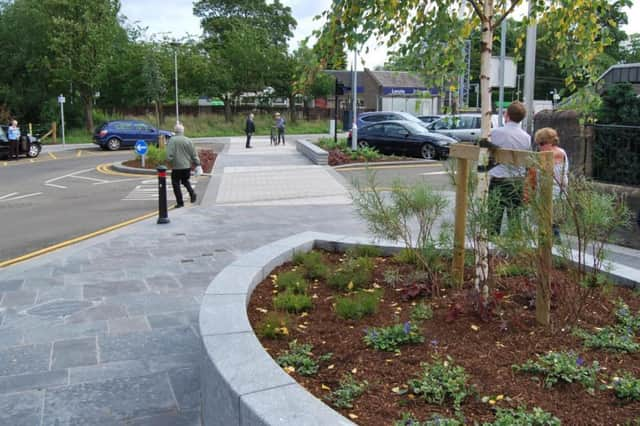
175 67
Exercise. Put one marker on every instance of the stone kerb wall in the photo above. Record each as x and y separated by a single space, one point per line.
241 383
313 152
572 137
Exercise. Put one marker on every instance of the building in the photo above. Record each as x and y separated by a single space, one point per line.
621 73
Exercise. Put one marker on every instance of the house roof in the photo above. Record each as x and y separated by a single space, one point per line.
345 77
400 79
621 73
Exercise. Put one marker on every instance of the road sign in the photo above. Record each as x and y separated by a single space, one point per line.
141 147
61 99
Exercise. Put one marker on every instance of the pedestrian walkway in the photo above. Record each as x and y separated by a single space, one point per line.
106 333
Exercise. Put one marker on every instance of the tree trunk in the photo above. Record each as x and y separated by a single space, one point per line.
87 101
157 108
292 109
227 108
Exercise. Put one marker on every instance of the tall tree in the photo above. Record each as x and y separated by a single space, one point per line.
81 44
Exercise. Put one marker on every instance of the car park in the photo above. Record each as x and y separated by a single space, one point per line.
377 116
463 127
117 134
28 145
404 138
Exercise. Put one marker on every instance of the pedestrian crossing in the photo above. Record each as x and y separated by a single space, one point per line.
148 190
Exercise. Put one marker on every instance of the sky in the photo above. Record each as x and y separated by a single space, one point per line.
178 21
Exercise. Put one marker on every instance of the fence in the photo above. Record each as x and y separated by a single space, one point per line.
616 154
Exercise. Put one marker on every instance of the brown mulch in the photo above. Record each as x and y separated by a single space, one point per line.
207 159
486 349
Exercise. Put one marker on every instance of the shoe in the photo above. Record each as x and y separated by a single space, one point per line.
194 197
248 147
179 205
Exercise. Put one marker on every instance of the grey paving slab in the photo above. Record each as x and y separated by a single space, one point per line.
150 303
145 344
23 409
182 418
162 283
34 381
59 308
113 288
24 359
53 333
74 353
10 337
10 285
109 401
108 371
100 311
173 319
128 325
185 383
58 293
19 298
42 282
15 319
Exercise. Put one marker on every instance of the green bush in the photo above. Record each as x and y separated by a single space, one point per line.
363 250
274 325
358 305
349 390
155 156
291 302
562 367
406 256
421 312
626 387
536 417
313 264
408 420
614 339
440 381
300 357
392 337
292 281
354 274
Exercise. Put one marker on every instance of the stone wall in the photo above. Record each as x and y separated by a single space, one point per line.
574 138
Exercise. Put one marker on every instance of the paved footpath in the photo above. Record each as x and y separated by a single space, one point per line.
105 332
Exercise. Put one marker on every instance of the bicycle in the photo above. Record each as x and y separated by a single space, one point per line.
274 136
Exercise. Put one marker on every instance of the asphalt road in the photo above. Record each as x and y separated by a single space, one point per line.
60 196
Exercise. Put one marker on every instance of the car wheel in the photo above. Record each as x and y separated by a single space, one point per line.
113 144
427 151
363 144
33 151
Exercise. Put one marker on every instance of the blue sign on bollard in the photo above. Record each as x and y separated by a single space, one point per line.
141 147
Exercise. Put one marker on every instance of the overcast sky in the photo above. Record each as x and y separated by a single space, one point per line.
178 20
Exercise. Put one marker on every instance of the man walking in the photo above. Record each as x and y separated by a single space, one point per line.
280 124
507 182
13 134
249 129
181 155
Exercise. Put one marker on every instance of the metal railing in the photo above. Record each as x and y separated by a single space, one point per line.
616 154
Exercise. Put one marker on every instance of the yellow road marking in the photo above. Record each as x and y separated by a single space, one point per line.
5 164
399 166
79 153
52 156
67 243
104 169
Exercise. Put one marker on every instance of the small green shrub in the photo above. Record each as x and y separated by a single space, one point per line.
291 302
293 282
421 312
358 305
392 277
626 387
562 367
614 339
349 390
155 156
354 274
514 270
442 380
301 359
406 257
274 325
625 318
408 420
313 264
390 338
363 250
536 417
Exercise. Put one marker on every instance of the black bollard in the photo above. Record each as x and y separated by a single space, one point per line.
163 217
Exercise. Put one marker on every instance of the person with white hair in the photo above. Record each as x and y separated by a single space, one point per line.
13 134
181 155
249 129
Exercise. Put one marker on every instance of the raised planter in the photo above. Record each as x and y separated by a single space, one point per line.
313 152
241 383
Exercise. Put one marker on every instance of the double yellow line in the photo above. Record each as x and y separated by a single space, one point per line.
106 169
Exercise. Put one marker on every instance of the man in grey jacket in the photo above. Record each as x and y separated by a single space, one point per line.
181 155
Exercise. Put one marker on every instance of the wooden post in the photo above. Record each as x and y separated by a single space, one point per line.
545 240
462 193
54 132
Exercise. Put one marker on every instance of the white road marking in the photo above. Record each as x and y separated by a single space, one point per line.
90 178
8 195
21 196
148 190
434 173
49 182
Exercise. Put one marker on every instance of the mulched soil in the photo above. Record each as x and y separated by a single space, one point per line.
337 158
486 349
207 159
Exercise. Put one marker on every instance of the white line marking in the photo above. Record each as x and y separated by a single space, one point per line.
48 183
8 195
55 186
115 181
434 173
89 178
22 196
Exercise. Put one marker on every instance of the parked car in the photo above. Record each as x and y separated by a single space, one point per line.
377 116
463 127
28 145
429 118
404 138
114 135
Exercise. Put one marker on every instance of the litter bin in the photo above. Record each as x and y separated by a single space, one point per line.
346 120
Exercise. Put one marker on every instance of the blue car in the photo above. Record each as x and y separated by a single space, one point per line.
114 135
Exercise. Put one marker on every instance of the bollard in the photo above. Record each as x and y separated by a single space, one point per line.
163 217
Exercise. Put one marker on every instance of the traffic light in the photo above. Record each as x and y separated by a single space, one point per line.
339 88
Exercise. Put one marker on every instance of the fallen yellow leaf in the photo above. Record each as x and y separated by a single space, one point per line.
325 387
290 369
302 326
499 397
354 371
331 367
475 327
263 310
352 416
304 314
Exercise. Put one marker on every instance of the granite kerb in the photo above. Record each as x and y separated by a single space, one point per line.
313 152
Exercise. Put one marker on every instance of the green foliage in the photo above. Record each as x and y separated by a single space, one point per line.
440 381
421 312
293 282
562 367
513 270
155 156
391 277
274 325
329 144
313 264
353 274
620 337
626 387
291 302
358 305
520 416
620 105
391 338
406 256
364 154
301 358
363 250
349 390
409 420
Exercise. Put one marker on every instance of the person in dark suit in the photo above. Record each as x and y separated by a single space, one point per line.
249 129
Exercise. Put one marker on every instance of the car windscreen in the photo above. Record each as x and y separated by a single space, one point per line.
409 117
415 128
3 136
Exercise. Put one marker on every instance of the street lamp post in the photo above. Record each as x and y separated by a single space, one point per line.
175 67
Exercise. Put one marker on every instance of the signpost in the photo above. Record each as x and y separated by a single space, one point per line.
61 101
141 149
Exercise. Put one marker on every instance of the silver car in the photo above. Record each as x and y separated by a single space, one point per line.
462 127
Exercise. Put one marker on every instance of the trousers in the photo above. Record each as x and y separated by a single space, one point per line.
178 177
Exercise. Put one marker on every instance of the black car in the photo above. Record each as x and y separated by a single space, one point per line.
404 138
27 145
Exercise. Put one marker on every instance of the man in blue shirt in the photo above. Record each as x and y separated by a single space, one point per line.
506 181
13 134
280 126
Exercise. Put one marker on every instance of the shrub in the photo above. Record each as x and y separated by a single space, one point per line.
354 273
274 325
358 305
408 420
349 390
313 264
440 381
293 282
363 250
536 417
614 339
300 359
291 302
626 387
155 156
391 277
421 312
390 338
562 367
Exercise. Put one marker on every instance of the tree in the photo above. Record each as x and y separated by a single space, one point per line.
631 51
620 105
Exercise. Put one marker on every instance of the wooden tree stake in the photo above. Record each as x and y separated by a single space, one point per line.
545 241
